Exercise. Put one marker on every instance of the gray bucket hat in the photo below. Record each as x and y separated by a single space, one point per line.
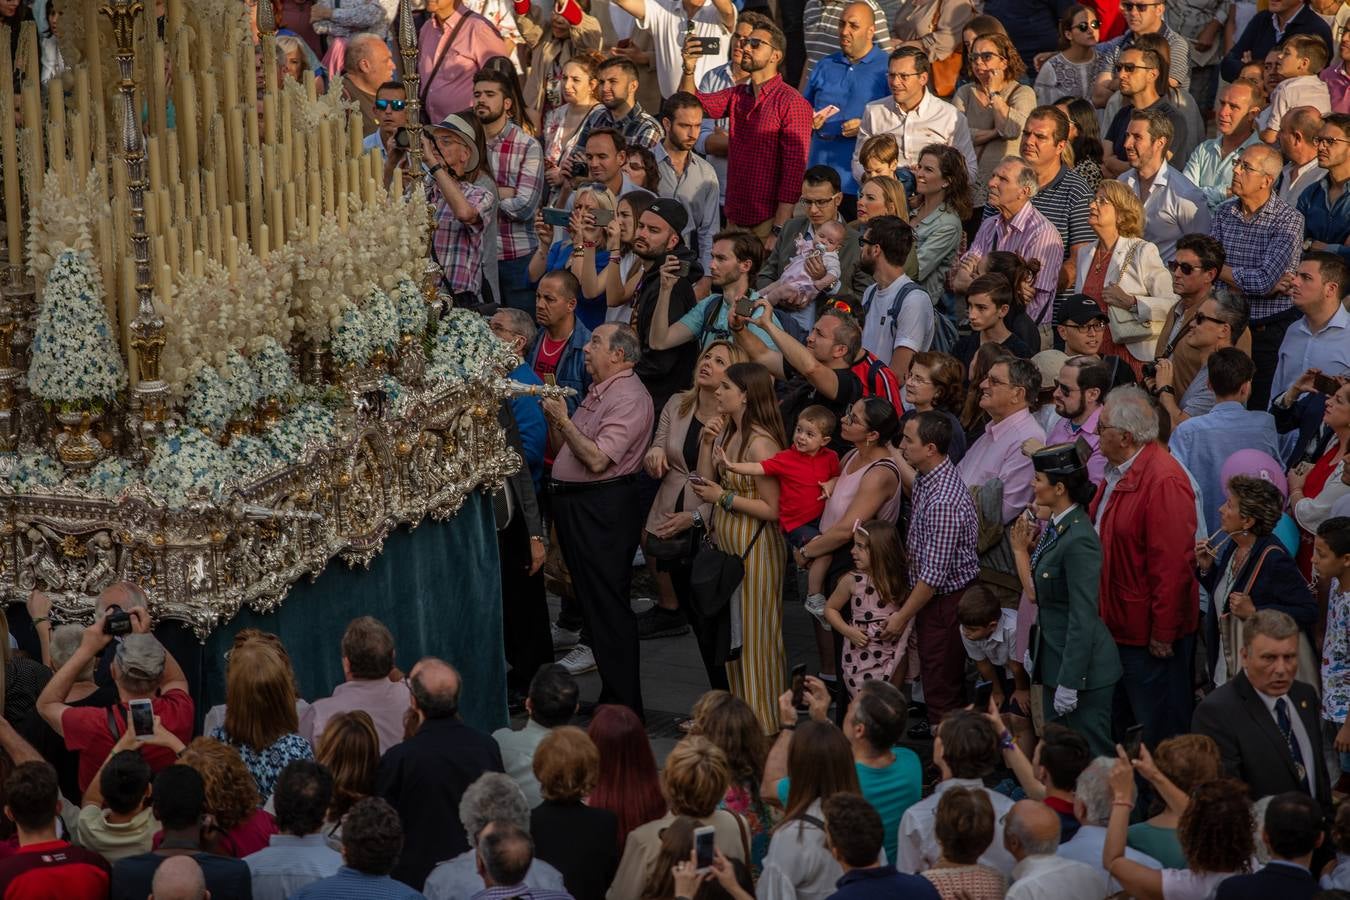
141 656
465 131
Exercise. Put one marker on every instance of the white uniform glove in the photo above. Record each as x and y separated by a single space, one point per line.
1066 700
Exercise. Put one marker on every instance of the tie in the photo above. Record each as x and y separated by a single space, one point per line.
1048 537
1286 728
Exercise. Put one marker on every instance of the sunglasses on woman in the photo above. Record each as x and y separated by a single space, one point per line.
1087 26
396 105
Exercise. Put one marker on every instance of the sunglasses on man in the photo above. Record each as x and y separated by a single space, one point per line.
384 104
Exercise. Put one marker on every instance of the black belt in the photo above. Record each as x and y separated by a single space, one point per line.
576 487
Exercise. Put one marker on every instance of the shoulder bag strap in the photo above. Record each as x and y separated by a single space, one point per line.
440 57
753 540
1256 569
113 727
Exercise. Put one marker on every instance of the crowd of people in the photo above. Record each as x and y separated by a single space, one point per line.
958 329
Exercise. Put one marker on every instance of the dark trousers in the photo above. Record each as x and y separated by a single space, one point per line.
1155 693
598 528
525 630
705 632
942 656
1267 335
513 277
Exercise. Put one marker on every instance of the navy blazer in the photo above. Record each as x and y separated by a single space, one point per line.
1278 585
1287 882
1304 415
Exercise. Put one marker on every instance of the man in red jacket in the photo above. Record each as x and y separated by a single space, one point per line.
1145 514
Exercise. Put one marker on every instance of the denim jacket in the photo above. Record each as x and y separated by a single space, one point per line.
571 366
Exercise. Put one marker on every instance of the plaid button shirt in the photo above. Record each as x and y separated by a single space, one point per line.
457 247
943 530
638 128
770 136
517 162
1259 250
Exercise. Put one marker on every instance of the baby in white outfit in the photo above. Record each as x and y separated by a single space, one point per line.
796 288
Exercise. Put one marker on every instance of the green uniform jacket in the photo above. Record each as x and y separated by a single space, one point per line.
1071 646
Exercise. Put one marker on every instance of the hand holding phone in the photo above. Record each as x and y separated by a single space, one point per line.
142 719
828 111
799 686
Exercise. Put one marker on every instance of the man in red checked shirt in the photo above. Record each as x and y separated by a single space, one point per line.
770 128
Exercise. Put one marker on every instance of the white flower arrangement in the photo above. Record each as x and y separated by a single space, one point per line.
36 470
251 457
412 308
272 365
185 463
381 321
74 363
62 219
464 346
352 344
241 385
310 422
110 477
387 241
322 274
207 401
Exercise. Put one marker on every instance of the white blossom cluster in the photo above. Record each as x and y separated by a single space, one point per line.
75 363
463 347
187 462
272 365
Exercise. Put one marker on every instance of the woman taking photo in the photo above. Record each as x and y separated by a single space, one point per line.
745 523
582 249
678 516
1246 568
996 105
798 865
1069 72
350 749
1121 270
1183 762
619 281
937 382
562 124
1073 655
942 185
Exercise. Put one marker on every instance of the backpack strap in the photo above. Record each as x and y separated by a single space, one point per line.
900 295
113 727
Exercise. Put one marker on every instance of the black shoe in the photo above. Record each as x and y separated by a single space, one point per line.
660 622
920 731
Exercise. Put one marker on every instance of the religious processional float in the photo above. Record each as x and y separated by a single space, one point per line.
223 358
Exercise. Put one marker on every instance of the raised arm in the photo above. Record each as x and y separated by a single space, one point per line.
792 352
756 349
665 334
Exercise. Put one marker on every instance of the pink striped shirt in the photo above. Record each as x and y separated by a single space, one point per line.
451 91
1031 236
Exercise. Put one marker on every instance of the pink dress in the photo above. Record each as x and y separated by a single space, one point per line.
876 660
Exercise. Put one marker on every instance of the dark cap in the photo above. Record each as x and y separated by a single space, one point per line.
1079 309
1062 459
672 211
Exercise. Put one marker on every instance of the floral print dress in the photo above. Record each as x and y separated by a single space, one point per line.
1336 657
266 765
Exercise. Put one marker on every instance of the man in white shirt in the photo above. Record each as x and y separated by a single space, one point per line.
1299 61
1031 835
670 21
1092 806
1172 205
899 319
552 701
1298 135
1320 338
965 751
1210 166
912 115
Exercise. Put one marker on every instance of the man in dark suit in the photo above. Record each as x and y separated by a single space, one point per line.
1292 831
1265 723
425 776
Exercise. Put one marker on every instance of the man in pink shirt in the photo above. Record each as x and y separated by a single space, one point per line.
1080 390
596 503
455 43
367 661
1004 395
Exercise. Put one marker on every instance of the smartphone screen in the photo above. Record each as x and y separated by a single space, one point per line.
603 217
1134 736
704 839
745 307
142 718
983 691
799 685
558 218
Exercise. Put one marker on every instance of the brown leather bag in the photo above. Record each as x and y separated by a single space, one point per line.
942 73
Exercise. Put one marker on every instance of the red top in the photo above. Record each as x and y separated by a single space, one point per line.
770 136
87 732
54 869
250 835
799 477
546 362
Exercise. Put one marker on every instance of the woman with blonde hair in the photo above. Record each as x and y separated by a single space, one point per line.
350 749
882 195
260 719
582 248
577 840
236 824
1125 275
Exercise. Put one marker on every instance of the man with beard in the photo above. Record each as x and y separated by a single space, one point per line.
617 92
688 177
1080 389
713 140
898 319
735 256
391 102
1172 205
517 164
1143 86
657 242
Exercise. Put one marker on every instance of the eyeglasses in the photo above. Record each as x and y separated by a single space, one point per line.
1062 388
1092 327
1243 166
753 43
850 418
1129 68
865 242
1100 200
902 75
1184 268
396 105
818 204
1201 318
1322 141
1137 7
986 55
1087 26
994 382
915 379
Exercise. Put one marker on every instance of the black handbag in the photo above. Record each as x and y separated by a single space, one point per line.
713 580
679 548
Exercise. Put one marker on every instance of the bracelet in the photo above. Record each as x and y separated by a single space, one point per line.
40 619
1122 803
434 169
727 498
535 537
1005 741
792 727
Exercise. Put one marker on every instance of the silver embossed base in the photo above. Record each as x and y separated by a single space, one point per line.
202 563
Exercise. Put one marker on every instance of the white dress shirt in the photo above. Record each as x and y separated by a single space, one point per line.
917 849
1173 207
1086 847
933 121
669 25
1294 180
1113 476
1300 733
1054 878
1305 90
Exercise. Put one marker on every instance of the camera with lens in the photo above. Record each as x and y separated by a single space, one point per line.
116 621
402 138
1150 370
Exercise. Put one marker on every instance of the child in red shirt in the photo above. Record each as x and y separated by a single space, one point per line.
802 471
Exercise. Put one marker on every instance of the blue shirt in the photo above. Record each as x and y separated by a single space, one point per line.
1301 350
883 883
590 310
349 884
849 86
1203 444
705 332
1323 221
529 416
288 863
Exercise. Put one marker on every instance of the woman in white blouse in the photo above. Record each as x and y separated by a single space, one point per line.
1122 270
1069 72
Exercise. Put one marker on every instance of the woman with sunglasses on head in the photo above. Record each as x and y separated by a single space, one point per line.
996 105
562 124
1069 72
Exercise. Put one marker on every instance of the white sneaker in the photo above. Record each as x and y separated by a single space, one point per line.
580 660
564 638
815 605
641 605
638 559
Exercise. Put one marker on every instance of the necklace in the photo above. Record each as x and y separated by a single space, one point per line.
544 343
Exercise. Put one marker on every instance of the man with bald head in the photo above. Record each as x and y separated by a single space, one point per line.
848 80
1262 239
1031 835
367 65
1297 142
427 774
179 878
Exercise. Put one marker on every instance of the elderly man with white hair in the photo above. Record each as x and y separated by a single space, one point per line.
494 797
1092 806
1031 835
1018 228
1145 515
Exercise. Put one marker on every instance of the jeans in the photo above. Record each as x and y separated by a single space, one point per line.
1155 693
513 277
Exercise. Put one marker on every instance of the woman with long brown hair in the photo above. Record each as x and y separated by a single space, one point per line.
942 186
732 725
350 749
745 523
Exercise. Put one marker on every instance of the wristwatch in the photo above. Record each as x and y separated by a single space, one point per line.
434 169
698 518
1167 389
776 230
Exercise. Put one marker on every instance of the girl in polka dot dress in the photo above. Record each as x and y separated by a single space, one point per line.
871 592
